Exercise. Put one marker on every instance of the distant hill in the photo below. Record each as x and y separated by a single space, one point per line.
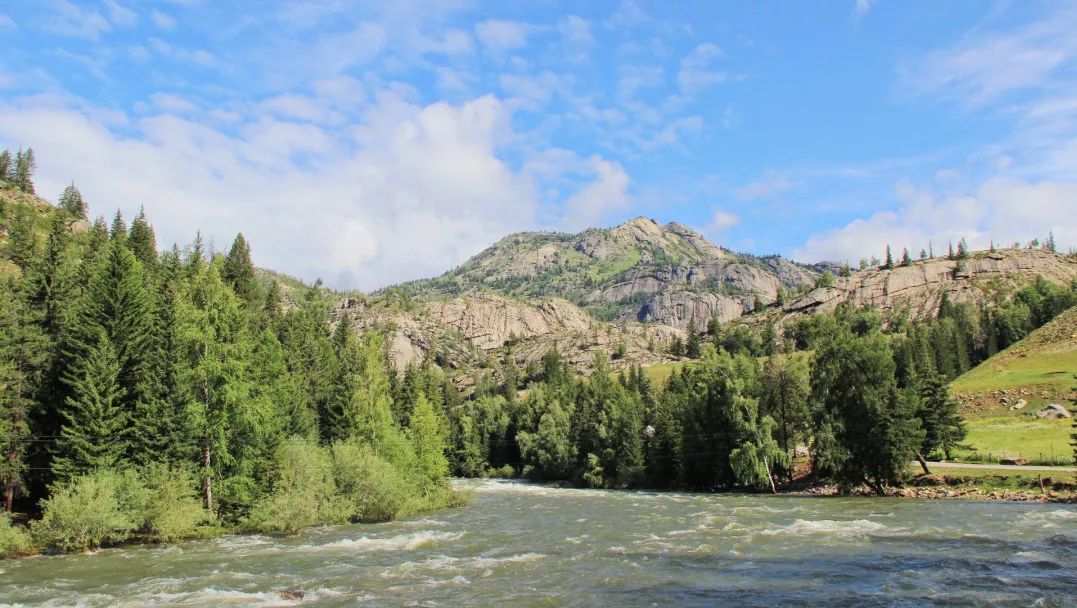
1040 368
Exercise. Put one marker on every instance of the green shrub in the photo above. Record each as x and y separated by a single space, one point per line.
172 509
89 511
373 489
14 541
304 491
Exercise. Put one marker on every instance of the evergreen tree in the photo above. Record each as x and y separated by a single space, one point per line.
118 230
116 302
22 361
142 241
238 270
6 167
785 392
1049 244
757 454
25 165
962 249
943 427
691 348
94 433
889 259
22 241
950 255
867 430
905 259
213 375
71 202
427 435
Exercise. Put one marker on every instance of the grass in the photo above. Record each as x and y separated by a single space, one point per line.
660 373
1046 359
990 480
1017 435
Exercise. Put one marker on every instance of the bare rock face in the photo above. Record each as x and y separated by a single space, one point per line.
487 322
679 308
919 287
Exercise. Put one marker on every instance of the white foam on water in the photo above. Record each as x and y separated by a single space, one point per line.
400 542
223 597
800 527
1055 518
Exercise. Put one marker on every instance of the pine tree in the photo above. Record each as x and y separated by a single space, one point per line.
962 249
196 255
943 427
238 270
22 361
118 230
93 435
950 255
143 242
22 237
71 202
905 259
889 259
159 427
116 303
692 344
923 254
24 170
6 166
1049 244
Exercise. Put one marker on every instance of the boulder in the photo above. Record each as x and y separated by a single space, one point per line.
1052 411
1021 403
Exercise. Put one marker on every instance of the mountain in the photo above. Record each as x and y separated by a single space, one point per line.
639 271
633 289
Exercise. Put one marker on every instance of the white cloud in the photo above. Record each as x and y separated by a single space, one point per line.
990 64
172 103
576 37
999 210
68 19
861 7
722 221
499 36
163 20
631 78
608 191
696 71
121 15
407 192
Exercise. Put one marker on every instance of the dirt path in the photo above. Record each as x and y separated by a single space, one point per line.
1003 467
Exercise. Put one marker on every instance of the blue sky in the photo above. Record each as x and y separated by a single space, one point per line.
368 143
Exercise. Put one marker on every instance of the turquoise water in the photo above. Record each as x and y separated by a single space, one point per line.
526 545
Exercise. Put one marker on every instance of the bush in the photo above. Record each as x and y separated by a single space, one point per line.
373 489
89 511
14 541
304 491
172 509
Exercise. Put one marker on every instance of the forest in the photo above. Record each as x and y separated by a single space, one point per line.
155 395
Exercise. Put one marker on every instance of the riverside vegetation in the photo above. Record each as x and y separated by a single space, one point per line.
157 396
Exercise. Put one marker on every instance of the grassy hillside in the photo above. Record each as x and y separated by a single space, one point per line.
1040 369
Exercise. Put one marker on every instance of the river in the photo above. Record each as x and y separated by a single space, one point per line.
527 545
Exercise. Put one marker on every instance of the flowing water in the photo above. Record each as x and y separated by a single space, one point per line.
527 545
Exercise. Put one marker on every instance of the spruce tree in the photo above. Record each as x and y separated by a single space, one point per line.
24 170
238 270
116 303
22 241
943 426
71 202
692 344
94 433
118 230
5 166
889 259
22 362
143 242
905 259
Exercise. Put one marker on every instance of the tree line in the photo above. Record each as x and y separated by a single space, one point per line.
864 399
133 380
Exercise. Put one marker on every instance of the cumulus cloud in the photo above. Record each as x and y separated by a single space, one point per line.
407 192
999 210
722 221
